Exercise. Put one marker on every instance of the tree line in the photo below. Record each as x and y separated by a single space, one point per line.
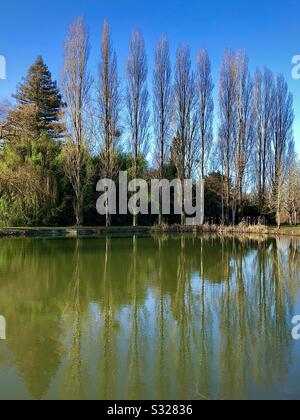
57 140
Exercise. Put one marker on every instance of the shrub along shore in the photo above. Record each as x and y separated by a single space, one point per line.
147 230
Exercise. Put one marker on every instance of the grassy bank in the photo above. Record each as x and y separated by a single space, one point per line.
72 231
129 230
239 229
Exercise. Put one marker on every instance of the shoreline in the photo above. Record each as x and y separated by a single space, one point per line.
74 232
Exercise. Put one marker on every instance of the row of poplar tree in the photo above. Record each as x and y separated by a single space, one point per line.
56 142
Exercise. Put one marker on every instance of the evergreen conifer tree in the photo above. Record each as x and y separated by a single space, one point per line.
39 90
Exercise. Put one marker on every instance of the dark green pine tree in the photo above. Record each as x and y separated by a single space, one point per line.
38 89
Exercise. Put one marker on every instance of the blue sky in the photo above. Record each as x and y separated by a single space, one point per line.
269 30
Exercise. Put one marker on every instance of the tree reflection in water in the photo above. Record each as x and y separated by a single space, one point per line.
159 318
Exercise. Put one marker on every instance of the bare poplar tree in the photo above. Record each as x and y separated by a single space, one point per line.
109 107
263 104
205 88
193 152
184 145
292 191
76 83
227 129
137 99
162 104
244 124
283 143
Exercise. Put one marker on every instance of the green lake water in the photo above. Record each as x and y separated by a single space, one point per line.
149 318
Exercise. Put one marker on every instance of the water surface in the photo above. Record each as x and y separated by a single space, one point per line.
146 318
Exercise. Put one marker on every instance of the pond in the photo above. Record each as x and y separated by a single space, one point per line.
177 317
